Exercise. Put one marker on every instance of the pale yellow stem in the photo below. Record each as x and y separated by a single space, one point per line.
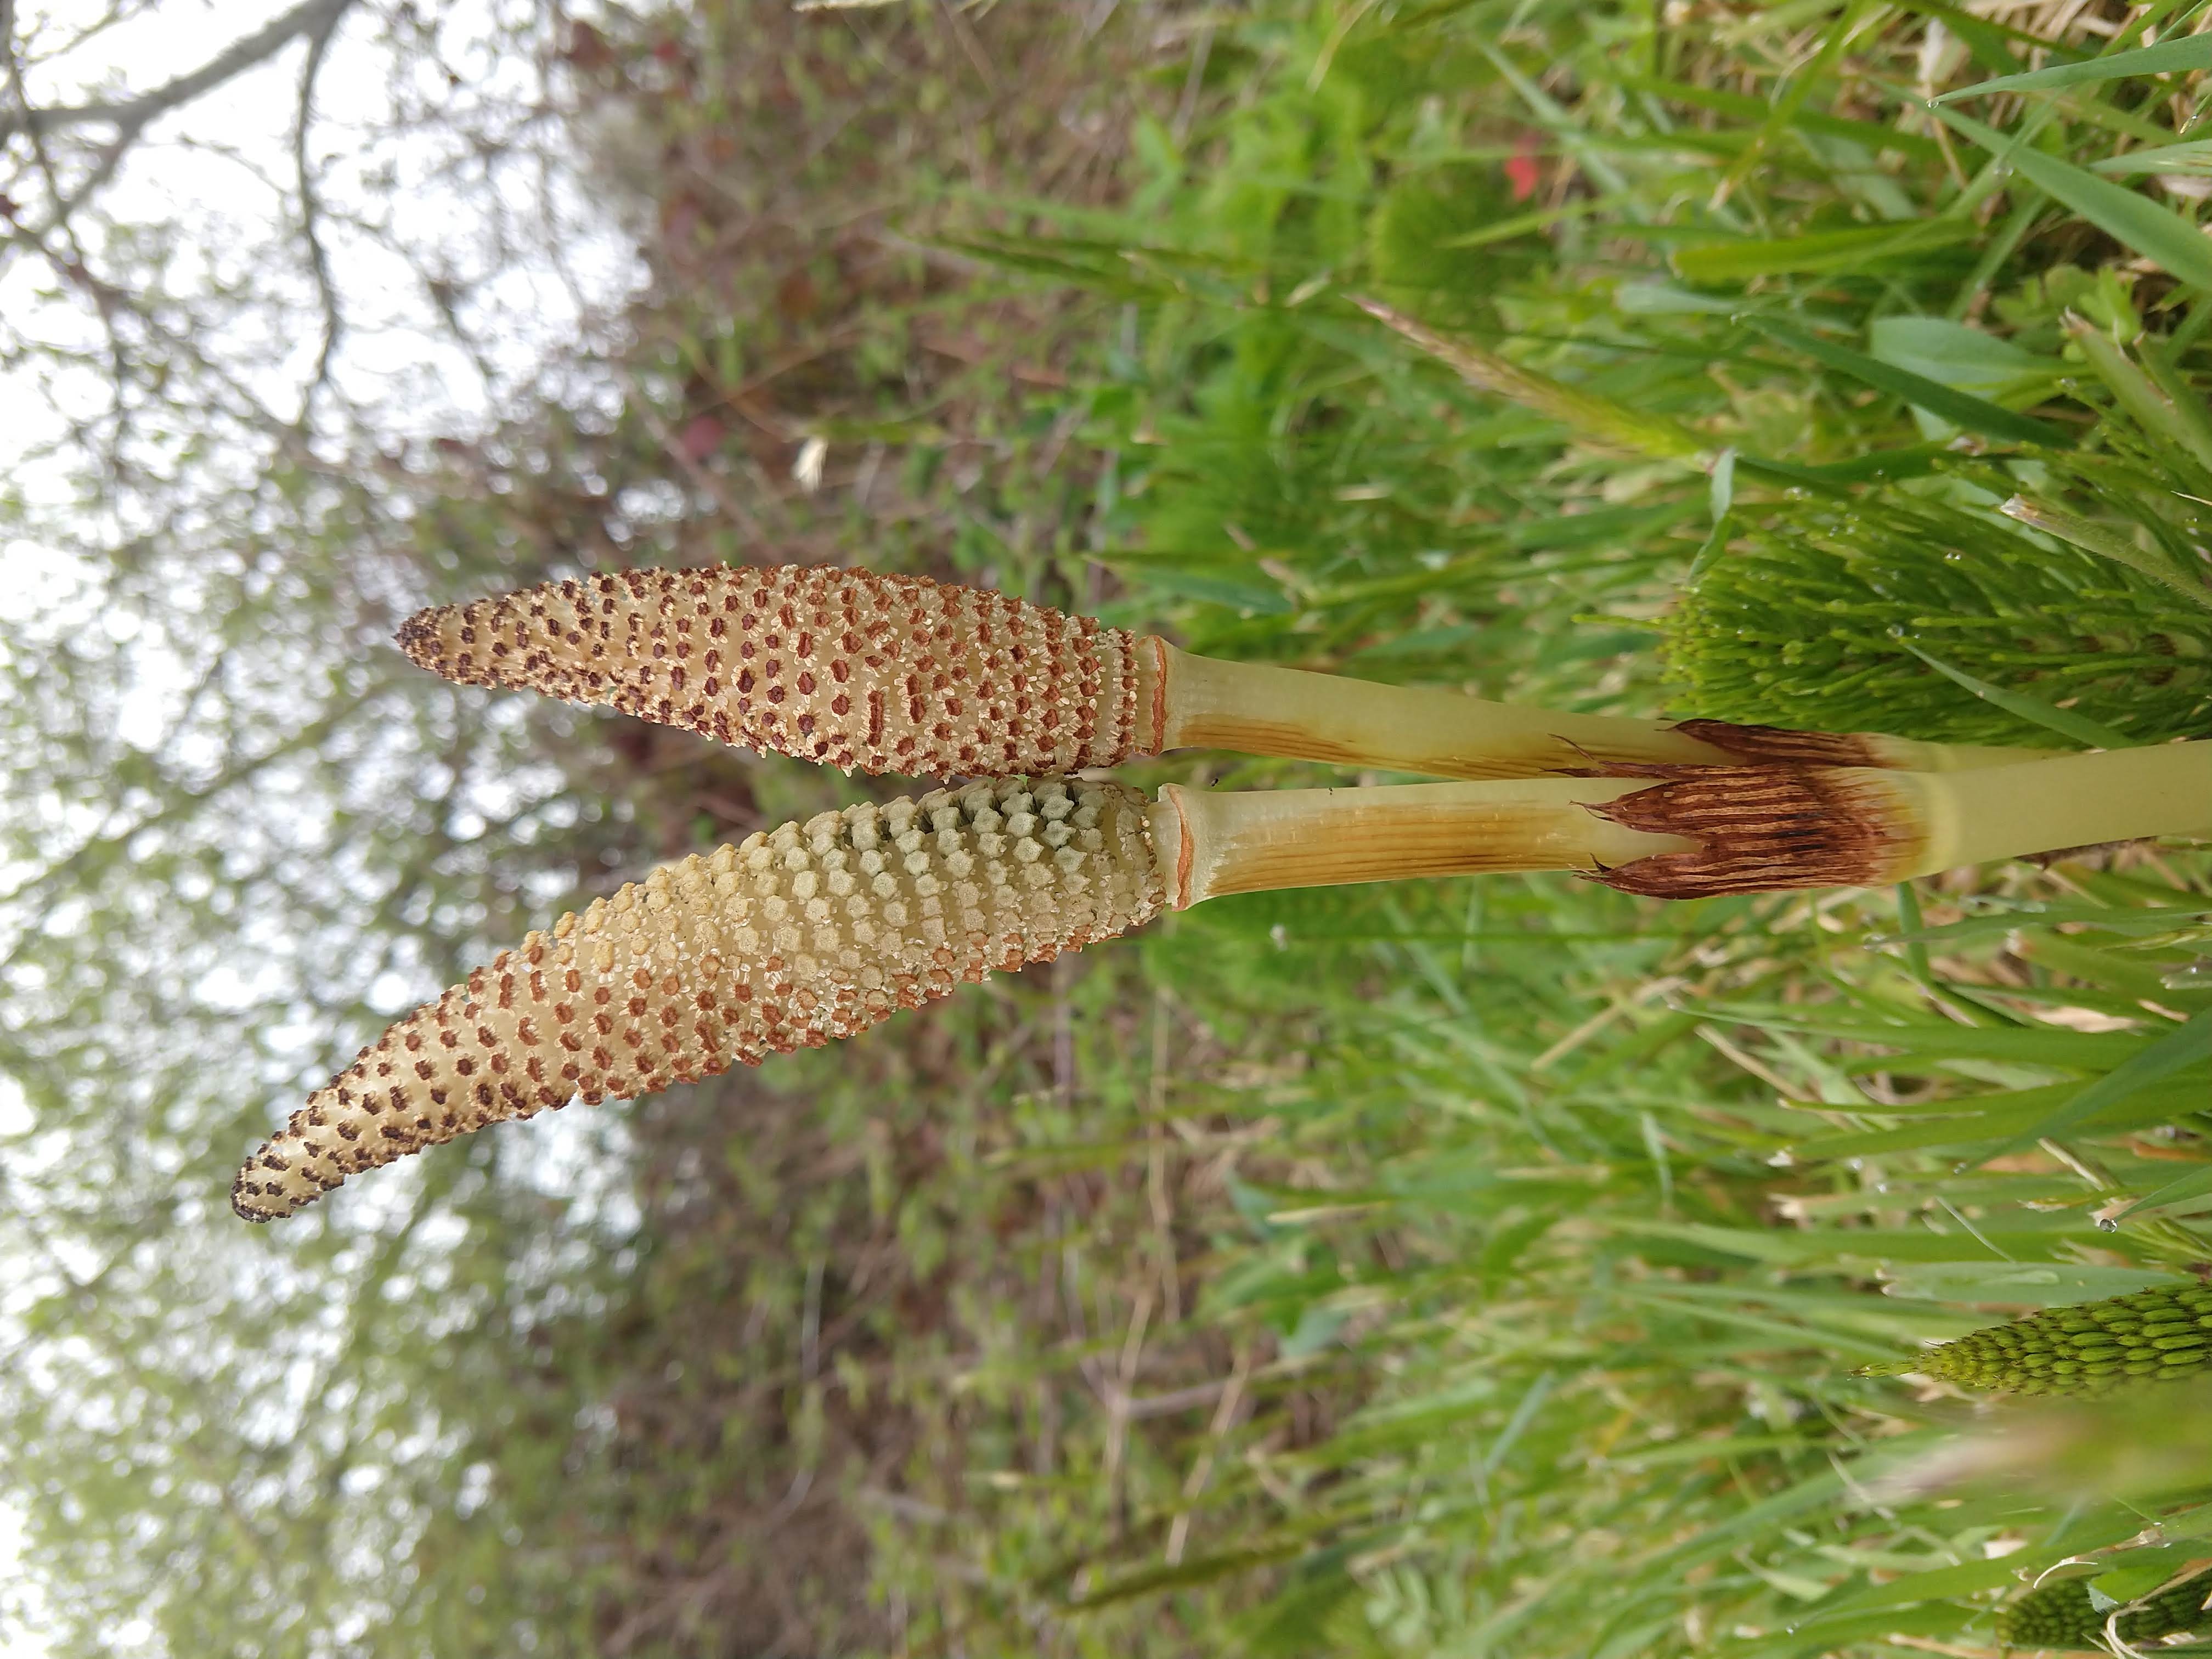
1189 701
2075 800
1911 755
1212 844
1201 703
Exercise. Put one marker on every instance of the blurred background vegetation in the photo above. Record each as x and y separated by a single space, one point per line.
1479 1267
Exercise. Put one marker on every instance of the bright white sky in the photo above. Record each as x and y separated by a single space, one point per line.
220 170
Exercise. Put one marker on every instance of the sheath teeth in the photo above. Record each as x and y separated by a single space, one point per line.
812 932
874 674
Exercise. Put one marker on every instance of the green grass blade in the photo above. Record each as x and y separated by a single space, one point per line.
1969 1122
2014 914
2159 234
2195 1184
2034 710
2171 1053
2194 429
2164 404
1873 134
2107 543
2191 156
1819 254
1521 224
1830 477
1199 1570
2030 1283
1989 41
1961 409
1795 91
1593 417
2167 57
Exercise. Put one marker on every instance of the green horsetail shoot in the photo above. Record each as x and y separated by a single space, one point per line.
2065 1615
1830 615
2165 1332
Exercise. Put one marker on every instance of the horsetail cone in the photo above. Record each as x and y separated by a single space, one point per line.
824 928
788 940
2084 1350
881 673
899 674
2064 1615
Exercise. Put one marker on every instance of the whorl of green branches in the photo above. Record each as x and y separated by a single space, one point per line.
2088 1349
1431 242
2063 1614
1833 615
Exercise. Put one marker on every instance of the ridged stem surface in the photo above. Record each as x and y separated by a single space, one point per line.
1189 701
2074 800
1216 843
1255 709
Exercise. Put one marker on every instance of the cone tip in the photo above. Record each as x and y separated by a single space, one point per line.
421 636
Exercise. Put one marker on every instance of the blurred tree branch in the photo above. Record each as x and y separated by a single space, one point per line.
319 45
129 117
316 339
